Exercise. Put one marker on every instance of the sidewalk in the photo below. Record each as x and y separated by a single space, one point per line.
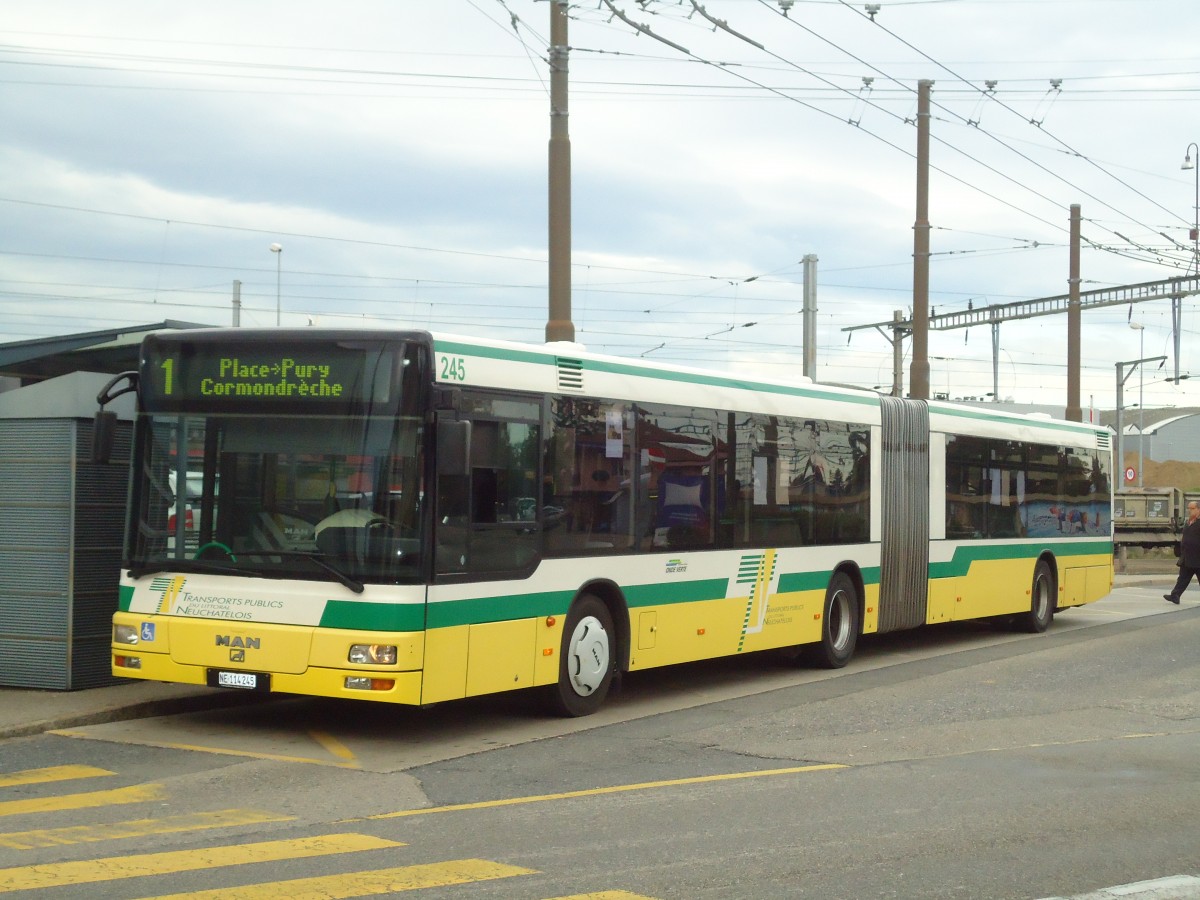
25 712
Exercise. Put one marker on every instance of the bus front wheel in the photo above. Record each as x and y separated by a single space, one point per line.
839 625
1041 601
587 659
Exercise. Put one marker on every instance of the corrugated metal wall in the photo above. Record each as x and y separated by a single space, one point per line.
61 520
904 550
1178 440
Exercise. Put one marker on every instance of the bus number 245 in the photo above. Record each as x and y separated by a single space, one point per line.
454 368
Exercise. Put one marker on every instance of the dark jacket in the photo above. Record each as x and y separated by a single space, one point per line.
1189 545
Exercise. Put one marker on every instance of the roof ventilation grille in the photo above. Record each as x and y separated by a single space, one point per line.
570 373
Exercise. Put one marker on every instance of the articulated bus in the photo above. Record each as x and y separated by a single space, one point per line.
411 517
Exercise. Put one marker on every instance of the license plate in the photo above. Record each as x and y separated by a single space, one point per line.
245 681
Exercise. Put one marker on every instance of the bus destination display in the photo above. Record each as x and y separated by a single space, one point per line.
230 375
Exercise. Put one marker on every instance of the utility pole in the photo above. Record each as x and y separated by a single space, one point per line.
1074 412
810 315
237 303
559 326
919 370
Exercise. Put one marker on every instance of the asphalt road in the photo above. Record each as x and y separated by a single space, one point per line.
959 761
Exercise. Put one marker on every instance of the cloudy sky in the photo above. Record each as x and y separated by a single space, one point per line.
397 150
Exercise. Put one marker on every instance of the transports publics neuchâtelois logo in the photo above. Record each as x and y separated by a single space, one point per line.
176 600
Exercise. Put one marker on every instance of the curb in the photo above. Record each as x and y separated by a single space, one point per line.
144 709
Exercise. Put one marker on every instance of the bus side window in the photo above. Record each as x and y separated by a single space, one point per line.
488 521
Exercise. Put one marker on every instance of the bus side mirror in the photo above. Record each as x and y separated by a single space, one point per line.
453 447
104 432
104 426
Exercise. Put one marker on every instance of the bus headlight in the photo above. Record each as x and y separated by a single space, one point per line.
125 634
373 654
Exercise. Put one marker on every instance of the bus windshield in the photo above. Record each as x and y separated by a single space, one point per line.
278 489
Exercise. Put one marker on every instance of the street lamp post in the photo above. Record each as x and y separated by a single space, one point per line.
277 249
1122 377
1189 162
1141 330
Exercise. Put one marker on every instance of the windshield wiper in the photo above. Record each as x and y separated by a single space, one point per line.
187 564
338 574
208 565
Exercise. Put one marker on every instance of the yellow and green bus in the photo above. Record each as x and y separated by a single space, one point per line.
412 517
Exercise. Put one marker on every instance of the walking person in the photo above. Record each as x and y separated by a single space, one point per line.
1189 553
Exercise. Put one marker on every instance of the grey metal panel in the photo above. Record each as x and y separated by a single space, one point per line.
904 549
91 661
61 517
28 616
34 664
99 520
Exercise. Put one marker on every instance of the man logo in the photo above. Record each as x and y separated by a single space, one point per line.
237 641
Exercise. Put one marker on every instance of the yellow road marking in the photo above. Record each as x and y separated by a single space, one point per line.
334 746
90 871
363 884
89 834
52 773
220 751
140 794
612 789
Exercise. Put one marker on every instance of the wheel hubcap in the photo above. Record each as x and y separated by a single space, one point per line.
588 656
1041 597
839 620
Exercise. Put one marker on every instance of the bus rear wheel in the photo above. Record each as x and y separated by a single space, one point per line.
839 625
586 661
1041 601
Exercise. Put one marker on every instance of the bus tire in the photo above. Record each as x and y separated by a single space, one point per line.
587 660
839 625
1041 601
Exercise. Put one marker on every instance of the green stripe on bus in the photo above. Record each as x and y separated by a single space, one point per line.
373 616
618 368
556 603
1015 418
819 580
479 610
967 554
670 592
124 597
959 565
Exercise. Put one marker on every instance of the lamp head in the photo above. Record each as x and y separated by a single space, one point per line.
1188 163
277 248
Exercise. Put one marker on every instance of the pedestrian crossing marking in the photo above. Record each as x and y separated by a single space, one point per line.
51 773
90 871
138 794
87 834
366 883
363 884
